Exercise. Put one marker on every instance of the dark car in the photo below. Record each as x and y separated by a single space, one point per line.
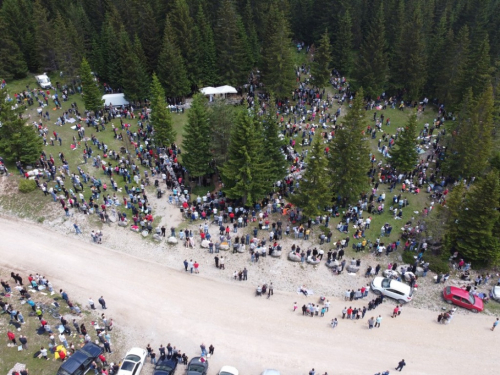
165 367
80 361
197 366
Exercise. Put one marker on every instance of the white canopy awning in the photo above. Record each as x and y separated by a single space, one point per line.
221 90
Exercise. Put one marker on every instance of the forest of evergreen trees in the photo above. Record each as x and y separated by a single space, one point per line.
439 48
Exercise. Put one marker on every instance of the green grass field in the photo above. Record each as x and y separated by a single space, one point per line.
9 356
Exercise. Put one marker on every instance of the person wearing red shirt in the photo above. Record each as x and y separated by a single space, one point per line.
196 265
12 337
62 355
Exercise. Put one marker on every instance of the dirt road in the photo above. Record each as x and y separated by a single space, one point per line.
156 304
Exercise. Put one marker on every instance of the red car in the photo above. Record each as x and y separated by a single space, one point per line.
462 298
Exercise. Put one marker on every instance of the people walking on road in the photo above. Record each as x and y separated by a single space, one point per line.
401 364
495 324
102 303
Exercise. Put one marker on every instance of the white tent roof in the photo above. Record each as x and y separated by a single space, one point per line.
226 90
218 90
209 91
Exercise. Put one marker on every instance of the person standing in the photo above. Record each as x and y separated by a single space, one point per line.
11 337
103 303
271 291
196 266
91 303
221 263
211 350
203 350
245 273
186 264
216 258
401 364
334 323
371 321
378 321
24 342
190 265
294 306
153 357
43 353
495 324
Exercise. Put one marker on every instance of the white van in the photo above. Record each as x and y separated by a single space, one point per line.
44 81
401 292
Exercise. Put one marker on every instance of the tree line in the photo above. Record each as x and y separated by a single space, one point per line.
436 47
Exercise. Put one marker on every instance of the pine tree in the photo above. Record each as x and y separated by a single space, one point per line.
196 155
136 85
479 71
411 69
252 37
273 143
278 71
245 175
349 158
475 238
43 37
12 63
184 38
221 118
314 192
232 57
208 57
470 145
436 60
92 97
372 67
342 49
161 118
171 69
149 34
18 141
322 61
453 78
405 156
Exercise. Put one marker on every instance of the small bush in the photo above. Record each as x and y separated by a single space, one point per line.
27 186
437 264
408 257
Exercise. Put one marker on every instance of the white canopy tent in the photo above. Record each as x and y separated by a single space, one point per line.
221 90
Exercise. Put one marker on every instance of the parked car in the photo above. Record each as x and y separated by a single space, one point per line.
401 292
197 366
462 298
79 363
228 370
133 362
165 367
43 81
270 372
495 293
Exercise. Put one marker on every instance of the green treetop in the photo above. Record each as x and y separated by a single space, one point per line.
322 61
404 155
196 155
350 154
314 191
92 96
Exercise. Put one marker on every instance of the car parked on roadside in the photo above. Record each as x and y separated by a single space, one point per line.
80 361
462 298
495 293
133 362
197 366
397 290
165 367
270 372
228 370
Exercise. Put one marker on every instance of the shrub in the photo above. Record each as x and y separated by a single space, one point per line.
436 263
408 257
27 186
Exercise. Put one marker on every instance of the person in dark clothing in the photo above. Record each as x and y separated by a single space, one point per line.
401 364
211 349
